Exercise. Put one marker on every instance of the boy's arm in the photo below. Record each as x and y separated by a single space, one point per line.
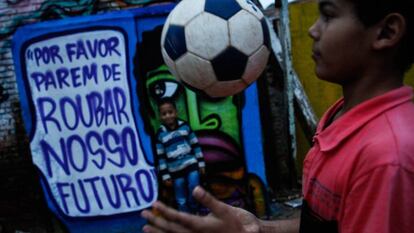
280 226
224 219
192 138
162 161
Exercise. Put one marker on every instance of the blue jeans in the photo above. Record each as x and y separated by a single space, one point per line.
183 188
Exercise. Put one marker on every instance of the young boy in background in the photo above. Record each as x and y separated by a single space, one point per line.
359 175
180 158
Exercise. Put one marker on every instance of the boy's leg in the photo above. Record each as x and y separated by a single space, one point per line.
193 179
180 194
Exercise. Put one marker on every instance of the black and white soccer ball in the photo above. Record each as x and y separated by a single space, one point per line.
217 47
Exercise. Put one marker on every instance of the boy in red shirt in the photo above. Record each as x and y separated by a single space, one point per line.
359 174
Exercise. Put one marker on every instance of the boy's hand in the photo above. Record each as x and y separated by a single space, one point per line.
223 219
168 183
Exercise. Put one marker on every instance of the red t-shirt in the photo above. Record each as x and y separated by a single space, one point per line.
359 174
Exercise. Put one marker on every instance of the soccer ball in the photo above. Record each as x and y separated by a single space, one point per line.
217 47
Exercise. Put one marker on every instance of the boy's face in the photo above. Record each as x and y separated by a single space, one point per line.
168 114
341 42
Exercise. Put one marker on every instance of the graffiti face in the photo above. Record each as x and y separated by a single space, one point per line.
217 126
216 122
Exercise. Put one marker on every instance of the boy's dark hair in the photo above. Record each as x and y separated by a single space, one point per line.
373 11
166 100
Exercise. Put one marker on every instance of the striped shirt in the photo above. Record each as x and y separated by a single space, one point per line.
178 151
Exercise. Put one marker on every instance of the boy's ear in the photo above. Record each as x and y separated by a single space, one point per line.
390 31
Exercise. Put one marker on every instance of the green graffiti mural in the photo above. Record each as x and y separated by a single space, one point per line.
220 142
216 122
201 113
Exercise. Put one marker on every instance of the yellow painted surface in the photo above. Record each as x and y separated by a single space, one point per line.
321 94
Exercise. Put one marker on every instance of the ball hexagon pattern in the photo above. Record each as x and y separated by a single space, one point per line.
210 28
195 71
255 64
237 28
216 47
222 8
170 63
229 65
173 44
185 11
